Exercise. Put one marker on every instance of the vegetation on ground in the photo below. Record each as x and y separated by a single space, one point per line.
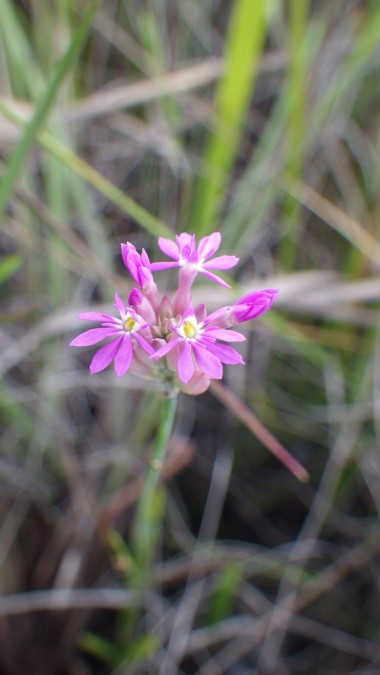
124 121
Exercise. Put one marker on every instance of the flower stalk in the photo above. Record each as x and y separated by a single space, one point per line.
145 527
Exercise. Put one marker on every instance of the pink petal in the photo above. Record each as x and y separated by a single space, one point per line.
132 261
123 357
92 337
145 259
222 262
144 344
198 384
157 266
225 354
208 245
200 313
208 363
223 334
95 316
125 252
166 307
192 256
166 348
168 247
189 312
214 277
134 297
185 363
252 305
116 324
172 357
218 315
119 304
188 254
104 356
269 293
185 240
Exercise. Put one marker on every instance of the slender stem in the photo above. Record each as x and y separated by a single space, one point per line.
147 518
253 424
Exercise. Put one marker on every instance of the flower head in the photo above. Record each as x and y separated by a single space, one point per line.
186 255
193 343
125 332
166 337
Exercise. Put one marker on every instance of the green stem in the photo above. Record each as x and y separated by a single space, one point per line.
147 518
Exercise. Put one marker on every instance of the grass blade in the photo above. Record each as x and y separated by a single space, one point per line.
81 168
42 109
296 103
243 48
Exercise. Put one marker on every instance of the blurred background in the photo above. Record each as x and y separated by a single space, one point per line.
130 120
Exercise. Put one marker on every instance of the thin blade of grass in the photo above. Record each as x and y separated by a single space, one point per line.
23 72
347 75
250 420
94 178
243 48
42 108
337 219
296 102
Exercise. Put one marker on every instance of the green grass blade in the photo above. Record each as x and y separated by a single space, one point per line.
221 604
103 185
101 648
24 74
94 178
9 266
350 72
296 104
257 187
243 47
42 109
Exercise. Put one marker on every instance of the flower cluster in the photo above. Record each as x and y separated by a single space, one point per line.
168 338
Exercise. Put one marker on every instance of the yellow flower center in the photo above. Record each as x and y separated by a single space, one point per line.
189 329
129 323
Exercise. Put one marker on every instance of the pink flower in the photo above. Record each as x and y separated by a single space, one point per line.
125 334
139 267
188 343
142 306
186 255
248 307
193 347
137 264
253 304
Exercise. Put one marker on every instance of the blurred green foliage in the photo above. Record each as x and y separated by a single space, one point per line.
258 119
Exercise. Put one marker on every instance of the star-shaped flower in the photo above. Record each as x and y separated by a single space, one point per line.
196 347
125 334
186 254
